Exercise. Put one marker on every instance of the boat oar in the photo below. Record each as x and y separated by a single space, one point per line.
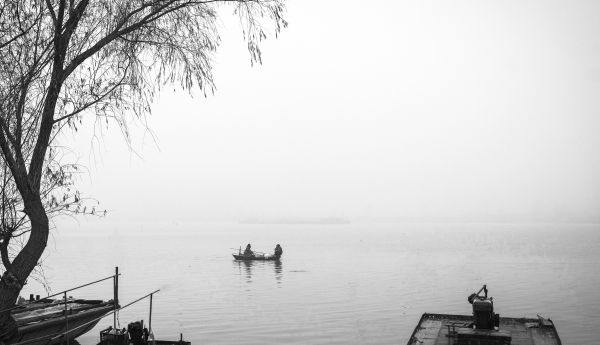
238 249
255 251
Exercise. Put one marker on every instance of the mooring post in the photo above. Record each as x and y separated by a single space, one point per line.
116 296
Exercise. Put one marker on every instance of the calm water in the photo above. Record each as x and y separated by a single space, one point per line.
336 284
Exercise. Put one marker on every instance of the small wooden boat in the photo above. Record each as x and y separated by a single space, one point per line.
135 334
255 257
45 320
484 327
49 321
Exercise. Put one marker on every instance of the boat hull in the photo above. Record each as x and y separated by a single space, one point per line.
255 258
40 325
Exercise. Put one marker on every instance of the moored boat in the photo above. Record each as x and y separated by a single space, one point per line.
136 333
484 327
49 322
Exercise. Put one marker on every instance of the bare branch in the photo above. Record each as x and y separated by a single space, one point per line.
52 13
91 103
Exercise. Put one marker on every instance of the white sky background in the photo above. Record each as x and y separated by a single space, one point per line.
386 109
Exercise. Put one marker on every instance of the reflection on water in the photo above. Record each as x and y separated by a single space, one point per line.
245 268
248 266
278 271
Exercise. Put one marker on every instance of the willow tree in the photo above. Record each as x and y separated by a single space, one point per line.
62 60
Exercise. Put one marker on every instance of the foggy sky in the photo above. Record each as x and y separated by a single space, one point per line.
474 110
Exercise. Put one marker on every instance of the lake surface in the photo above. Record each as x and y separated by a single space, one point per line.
353 283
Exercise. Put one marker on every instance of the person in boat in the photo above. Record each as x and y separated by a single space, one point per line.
278 251
248 251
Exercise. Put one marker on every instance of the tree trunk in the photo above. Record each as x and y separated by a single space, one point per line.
28 185
16 276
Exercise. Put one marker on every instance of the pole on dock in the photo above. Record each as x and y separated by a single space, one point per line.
116 295
150 316
66 316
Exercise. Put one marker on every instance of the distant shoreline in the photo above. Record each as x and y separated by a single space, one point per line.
293 221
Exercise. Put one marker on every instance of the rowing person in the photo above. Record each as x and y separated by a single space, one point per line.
248 252
278 251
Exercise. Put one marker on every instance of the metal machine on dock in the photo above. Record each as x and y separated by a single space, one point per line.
484 327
